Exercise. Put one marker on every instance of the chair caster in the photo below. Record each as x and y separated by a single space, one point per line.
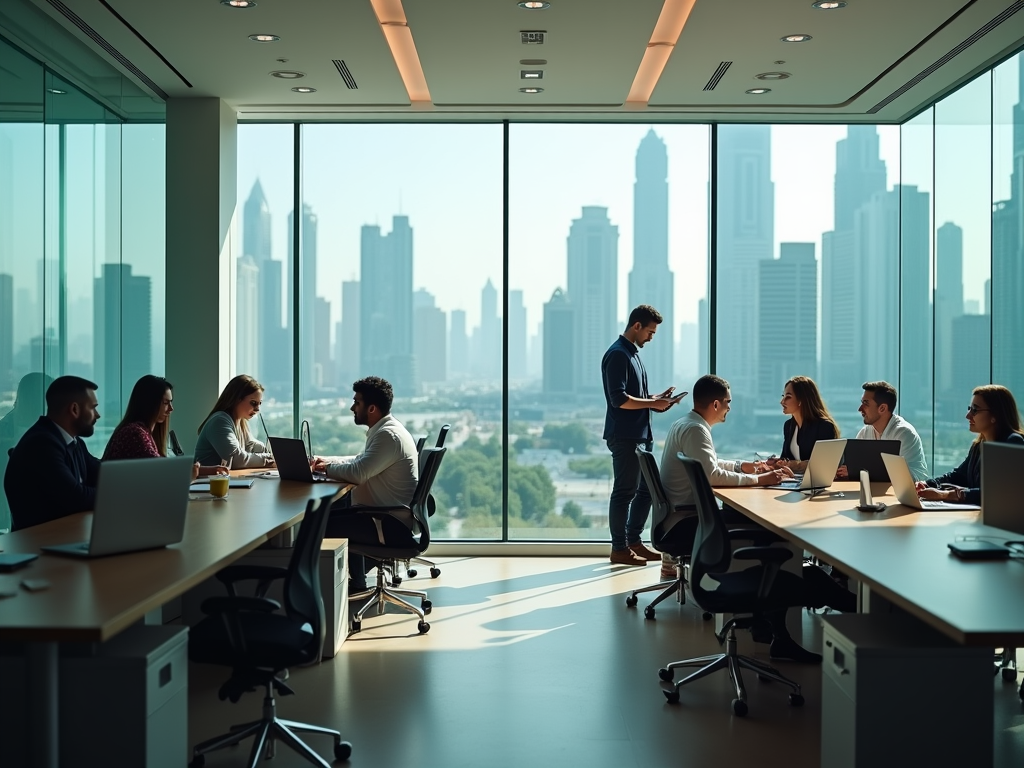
649 612
396 581
631 601
739 707
198 761
672 696
666 674
357 626
707 615
427 606
411 573
435 572
423 627
796 700
342 751
1009 674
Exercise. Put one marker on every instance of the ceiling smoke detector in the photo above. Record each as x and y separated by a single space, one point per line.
532 37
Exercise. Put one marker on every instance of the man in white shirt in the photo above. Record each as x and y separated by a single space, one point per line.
880 423
384 474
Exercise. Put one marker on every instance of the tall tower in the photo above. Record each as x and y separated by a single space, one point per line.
517 367
559 358
787 325
746 236
347 344
949 299
247 312
256 225
458 345
651 281
385 304
306 359
122 322
487 355
593 263
430 330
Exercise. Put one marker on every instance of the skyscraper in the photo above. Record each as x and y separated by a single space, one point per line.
787 324
487 350
860 175
348 342
593 263
307 293
323 374
6 331
385 304
256 225
949 299
915 323
429 338
559 339
746 236
651 281
458 345
122 322
517 368
247 341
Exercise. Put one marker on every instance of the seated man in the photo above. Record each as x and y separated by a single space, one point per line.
385 473
691 435
880 423
51 473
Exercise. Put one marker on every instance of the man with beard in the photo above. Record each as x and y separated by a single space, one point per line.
51 473
384 474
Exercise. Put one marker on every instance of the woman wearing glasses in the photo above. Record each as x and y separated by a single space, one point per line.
224 434
993 417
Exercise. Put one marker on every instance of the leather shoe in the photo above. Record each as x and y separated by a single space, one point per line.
626 557
640 550
789 650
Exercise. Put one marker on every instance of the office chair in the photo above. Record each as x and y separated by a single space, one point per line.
679 545
1006 663
399 544
259 642
744 592
434 570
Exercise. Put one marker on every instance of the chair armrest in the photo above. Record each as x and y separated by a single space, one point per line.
221 605
264 574
759 536
368 510
764 554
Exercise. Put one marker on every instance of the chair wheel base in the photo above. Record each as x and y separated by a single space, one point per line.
666 674
423 627
739 707
435 572
342 751
796 700
672 696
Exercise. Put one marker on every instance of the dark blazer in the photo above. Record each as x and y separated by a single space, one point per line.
623 374
968 474
810 433
41 481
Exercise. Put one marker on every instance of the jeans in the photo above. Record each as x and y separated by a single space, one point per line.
630 502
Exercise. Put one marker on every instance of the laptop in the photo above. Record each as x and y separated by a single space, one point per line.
821 467
867 454
906 492
293 462
1001 468
140 504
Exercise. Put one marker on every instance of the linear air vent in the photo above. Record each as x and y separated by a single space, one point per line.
719 73
346 74
115 54
995 22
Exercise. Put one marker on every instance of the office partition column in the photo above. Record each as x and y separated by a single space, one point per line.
201 213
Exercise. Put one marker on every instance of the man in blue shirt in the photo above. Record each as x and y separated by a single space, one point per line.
627 424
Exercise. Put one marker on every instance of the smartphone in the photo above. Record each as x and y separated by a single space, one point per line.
978 549
12 561
680 396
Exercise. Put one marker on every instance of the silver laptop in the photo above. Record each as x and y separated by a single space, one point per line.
821 467
1001 468
905 490
140 504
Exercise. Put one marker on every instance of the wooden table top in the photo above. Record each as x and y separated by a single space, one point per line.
93 600
902 555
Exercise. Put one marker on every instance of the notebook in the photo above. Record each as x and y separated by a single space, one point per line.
906 492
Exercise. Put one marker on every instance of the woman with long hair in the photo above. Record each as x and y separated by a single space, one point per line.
993 417
809 421
224 434
142 433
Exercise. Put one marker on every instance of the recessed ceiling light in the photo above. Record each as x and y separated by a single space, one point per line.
531 90
531 74
239 3
828 5
534 5
759 91
772 76
287 74
303 89
796 38
264 38
56 91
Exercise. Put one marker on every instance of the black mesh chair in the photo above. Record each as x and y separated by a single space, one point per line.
260 642
668 534
747 593
434 570
403 541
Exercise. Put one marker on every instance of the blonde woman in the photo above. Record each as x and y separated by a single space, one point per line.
224 434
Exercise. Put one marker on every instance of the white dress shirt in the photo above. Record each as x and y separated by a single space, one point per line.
387 470
911 448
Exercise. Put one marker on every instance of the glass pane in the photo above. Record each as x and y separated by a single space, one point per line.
963 217
602 218
263 311
21 250
808 271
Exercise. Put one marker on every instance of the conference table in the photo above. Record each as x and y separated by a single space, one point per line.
93 600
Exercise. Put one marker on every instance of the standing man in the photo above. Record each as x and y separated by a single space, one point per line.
627 424
880 423
51 473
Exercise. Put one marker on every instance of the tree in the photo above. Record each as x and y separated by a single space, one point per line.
592 467
574 512
567 438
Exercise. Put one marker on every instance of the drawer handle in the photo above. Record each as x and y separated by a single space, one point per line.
165 674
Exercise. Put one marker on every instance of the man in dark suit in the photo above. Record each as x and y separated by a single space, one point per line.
51 473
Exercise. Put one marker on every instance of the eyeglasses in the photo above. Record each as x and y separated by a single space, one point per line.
972 409
255 404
